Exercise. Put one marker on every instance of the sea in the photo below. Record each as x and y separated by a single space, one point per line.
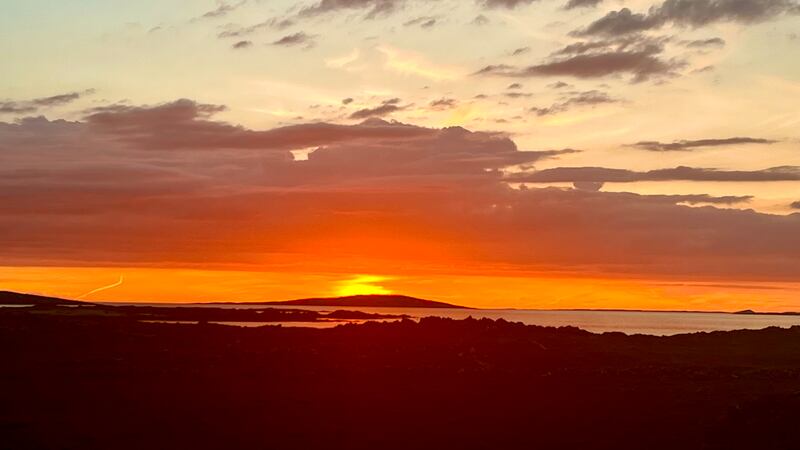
597 321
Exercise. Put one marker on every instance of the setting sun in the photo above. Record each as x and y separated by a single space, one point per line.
363 285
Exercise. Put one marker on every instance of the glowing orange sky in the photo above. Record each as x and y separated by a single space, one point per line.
503 154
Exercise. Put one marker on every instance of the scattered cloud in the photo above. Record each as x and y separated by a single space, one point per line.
705 43
373 8
443 103
520 51
688 145
689 13
508 4
422 22
236 31
34 105
384 109
576 100
222 10
681 173
296 39
572 4
480 20
242 44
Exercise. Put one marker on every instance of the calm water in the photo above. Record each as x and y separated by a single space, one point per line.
630 322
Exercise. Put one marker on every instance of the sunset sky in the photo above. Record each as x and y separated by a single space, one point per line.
491 153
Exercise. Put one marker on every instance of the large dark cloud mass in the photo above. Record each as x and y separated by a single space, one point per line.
133 185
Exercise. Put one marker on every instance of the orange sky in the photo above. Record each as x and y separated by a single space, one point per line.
487 153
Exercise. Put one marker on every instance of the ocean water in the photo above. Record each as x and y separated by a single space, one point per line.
629 322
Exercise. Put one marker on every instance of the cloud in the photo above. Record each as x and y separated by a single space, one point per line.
575 100
480 20
443 103
374 8
520 51
347 101
235 31
34 105
508 4
242 44
295 39
638 58
681 173
514 86
689 13
109 187
688 145
559 85
222 10
422 22
795 205
384 109
705 43
572 4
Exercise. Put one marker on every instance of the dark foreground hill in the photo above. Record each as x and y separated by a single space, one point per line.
16 298
99 382
374 301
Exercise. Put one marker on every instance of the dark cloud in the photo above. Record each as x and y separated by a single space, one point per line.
185 124
517 94
374 8
480 20
444 103
572 4
617 23
520 51
235 31
705 43
795 205
514 86
592 186
508 4
422 22
242 44
299 38
688 145
681 173
34 105
689 13
384 109
576 100
222 10
347 101
559 85
640 59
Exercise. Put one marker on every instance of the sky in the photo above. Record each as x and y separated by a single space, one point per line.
492 153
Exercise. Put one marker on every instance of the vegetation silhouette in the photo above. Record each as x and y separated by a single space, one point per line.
99 381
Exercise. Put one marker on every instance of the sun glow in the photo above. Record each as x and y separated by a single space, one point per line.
363 285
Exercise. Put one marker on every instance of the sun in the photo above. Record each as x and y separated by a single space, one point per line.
362 285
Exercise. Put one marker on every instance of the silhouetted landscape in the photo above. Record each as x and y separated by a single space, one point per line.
100 377
373 301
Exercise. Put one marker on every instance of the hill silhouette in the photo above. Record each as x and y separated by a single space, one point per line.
375 301
17 298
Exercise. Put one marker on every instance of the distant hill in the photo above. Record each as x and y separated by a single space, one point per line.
16 298
376 301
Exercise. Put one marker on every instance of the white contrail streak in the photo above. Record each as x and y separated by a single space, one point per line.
121 279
